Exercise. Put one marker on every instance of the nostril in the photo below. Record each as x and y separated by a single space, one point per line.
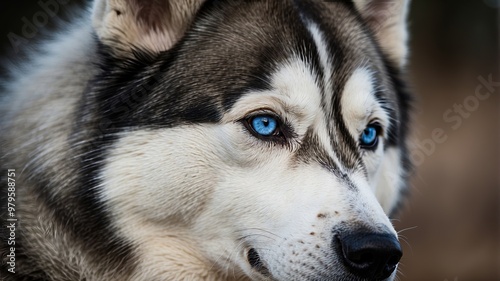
394 259
370 255
361 257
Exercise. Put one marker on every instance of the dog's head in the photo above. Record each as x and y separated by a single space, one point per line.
263 138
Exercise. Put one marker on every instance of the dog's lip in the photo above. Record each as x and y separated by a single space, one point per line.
256 262
259 267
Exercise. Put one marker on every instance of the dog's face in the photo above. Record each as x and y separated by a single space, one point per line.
269 138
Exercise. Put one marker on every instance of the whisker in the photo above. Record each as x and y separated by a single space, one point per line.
405 229
256 234
404 239
228 257
263 230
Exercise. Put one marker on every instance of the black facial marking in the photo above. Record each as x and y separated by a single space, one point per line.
343 143
311 150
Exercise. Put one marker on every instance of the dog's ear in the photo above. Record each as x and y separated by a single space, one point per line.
154 25
387 20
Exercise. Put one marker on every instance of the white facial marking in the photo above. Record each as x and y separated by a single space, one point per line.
359 104
389 179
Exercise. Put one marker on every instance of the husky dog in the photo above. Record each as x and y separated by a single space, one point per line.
209 140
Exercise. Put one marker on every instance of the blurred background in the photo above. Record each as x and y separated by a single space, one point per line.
453 214
451 221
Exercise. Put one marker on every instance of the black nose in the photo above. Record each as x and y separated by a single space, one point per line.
370 255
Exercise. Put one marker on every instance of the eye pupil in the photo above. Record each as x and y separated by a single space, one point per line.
264 125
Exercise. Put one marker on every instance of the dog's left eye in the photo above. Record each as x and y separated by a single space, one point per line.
264 125
369 137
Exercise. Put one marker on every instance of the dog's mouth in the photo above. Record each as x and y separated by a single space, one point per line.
256 262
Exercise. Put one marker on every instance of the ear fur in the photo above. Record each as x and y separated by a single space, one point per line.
387 19
155 25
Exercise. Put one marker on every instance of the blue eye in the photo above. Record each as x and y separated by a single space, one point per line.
369 137
264 125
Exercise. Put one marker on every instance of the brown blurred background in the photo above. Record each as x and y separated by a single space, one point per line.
451 222
455 196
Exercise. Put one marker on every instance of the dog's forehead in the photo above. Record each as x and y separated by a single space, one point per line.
277 29
242 46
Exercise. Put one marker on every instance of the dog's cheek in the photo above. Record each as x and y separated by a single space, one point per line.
163 176
389 180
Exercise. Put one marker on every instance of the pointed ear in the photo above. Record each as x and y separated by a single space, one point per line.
154 25
387 19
